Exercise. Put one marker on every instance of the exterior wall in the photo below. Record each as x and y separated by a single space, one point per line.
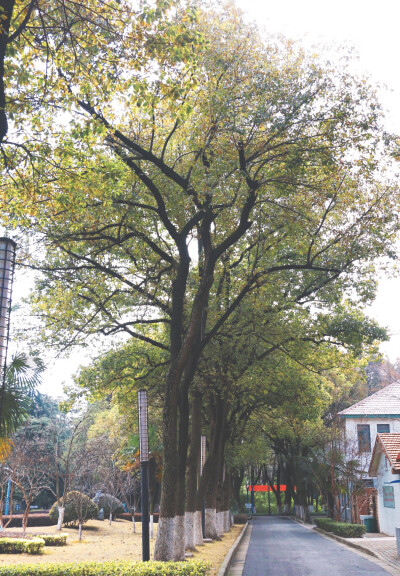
389 518
352 438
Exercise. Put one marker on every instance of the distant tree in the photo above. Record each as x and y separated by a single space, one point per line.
381 373
28 464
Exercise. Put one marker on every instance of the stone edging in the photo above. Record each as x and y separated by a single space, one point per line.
228 558
347 542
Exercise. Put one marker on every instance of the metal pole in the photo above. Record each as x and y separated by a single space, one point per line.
144 470
7 264
252 491
202 462
7 507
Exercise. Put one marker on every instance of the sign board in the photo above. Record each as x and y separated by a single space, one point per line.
248 505
388 497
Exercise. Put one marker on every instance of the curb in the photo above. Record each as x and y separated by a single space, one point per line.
339 539
348 543
228 558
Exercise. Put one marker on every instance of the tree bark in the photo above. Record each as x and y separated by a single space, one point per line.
213 466
192 477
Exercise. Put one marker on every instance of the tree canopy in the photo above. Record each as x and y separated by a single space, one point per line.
170 173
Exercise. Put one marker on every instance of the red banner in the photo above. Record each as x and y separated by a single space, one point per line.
266 488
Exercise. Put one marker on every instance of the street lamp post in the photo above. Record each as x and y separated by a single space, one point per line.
144 470
7 263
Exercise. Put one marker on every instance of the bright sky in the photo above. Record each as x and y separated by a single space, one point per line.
372 28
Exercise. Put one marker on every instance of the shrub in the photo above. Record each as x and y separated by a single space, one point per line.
323 523
348 530
110 504
21 546
109 569
341 528
240 518
54 539
73 501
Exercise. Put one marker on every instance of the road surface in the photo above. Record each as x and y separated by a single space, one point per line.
281 547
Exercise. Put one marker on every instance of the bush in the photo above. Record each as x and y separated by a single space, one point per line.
323 523
240 518
54 539
110 504
73 501
109 569
341 528
21 546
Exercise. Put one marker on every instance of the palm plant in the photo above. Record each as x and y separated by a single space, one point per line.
22 376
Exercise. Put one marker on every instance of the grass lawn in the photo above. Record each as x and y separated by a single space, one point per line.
116 542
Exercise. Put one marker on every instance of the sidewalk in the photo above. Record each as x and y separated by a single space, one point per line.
382 547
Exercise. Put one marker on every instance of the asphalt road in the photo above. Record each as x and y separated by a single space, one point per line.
282 547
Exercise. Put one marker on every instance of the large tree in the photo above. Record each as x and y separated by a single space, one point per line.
255 153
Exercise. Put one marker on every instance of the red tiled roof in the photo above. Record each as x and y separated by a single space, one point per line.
390 444
385 401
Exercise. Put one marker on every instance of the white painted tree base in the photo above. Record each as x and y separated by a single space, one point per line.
227 521
189 530
211 523
60 520
163 550
179 539
220 524
198 529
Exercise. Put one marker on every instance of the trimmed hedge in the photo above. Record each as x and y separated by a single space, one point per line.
109 569
54 539
240 519
323 523
341 528
35 519
73 501
21 546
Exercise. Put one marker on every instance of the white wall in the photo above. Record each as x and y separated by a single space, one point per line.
352 438
389 518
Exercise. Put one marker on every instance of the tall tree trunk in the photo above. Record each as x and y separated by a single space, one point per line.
166 523
192 477
236 484
214 463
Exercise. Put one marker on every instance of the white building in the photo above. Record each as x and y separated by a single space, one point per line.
376 414
385 466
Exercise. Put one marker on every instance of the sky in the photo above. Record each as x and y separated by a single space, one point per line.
372 29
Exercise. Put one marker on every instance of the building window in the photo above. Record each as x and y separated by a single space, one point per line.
364 438
383 428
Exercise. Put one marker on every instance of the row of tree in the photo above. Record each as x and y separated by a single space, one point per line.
210 198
